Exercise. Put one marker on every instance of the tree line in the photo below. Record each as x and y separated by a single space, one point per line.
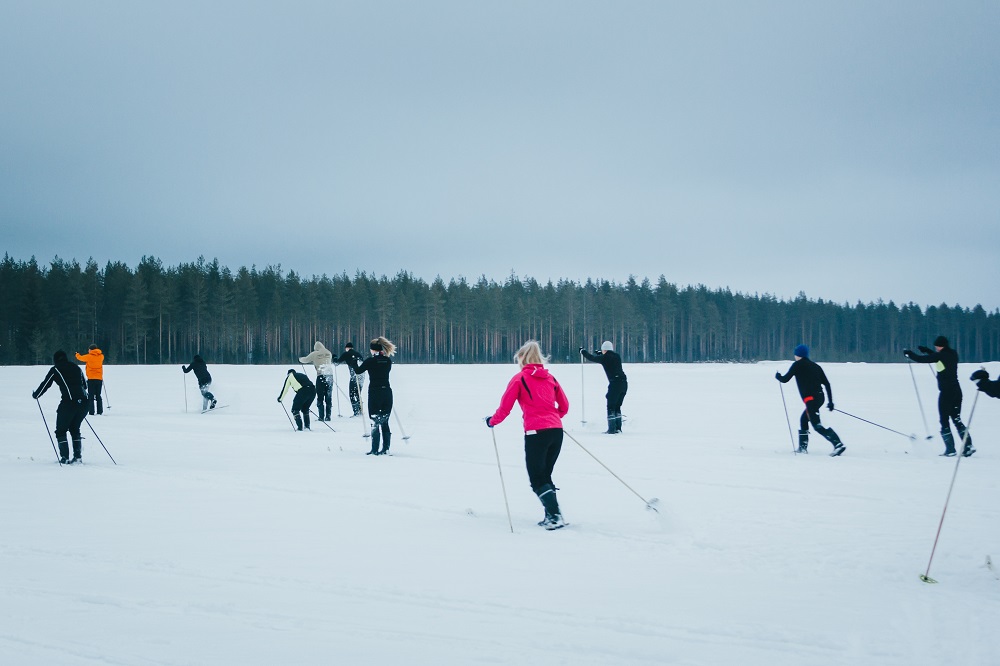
156 314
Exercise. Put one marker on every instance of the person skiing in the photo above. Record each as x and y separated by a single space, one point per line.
617 382
811 379
378 367
305 393
945 360
322 360
985 384
201 372
72 409
94 358
543 405
357 381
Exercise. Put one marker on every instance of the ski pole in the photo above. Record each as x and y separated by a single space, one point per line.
781 387
503 486
583 393
649 503
400 424
107 396
99 439
912 437
919 403
45 421
321 420
184 377
290 422
965 438
361 405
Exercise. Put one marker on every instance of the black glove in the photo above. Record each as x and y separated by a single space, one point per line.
581 350
777 375
979 374
908 353
34 394
924 350
830 406
488 424
279 399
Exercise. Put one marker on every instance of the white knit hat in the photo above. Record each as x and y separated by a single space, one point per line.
607 346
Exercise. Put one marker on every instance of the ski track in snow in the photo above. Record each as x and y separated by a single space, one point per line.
233 540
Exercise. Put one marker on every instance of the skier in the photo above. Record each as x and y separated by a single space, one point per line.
305 393
617 382
357 381
985 384
322 359
378 367
94 358
72 408
543 405
945 360
811 379
208 400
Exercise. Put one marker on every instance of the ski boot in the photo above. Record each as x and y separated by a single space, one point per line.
949 443
553 517
803 442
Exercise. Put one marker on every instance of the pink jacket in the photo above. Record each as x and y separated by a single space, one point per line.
541 399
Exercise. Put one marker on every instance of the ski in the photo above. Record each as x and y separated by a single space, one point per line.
214 409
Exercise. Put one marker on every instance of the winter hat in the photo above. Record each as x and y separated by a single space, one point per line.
291 370
801 351
92 347
940 341
349 345
59 356
607 346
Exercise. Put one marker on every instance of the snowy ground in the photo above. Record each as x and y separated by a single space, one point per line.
227 538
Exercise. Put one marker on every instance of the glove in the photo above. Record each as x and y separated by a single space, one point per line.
908 353
777 375
830 406
488 424
979 374
924 350
279 399
34 394
581 350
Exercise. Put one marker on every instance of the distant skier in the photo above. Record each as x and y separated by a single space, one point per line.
945 360
305 393
378 367
72 408
617 382
811 379
984 384
353 358
200 368
94 358
322 359
543 405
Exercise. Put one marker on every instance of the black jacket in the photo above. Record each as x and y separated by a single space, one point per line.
200 370
351 357
945 363
611 362
989 387
809 377
69 378
377 367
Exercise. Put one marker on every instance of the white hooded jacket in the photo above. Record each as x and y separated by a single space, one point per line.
321 358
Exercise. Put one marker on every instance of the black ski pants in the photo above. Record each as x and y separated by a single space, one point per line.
69 418
950 408
617 388
541 450
303 401
324 396
379 409
811 415
94 388
355 394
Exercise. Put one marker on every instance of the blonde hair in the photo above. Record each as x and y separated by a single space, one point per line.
530 352
382 345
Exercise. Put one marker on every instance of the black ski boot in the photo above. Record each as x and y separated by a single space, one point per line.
553 517
305 417
298 422
833 438
949 443
611 424
77 450
803 442
964 435
63 449
376 436
385 444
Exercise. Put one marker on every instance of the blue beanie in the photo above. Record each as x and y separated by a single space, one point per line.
801 351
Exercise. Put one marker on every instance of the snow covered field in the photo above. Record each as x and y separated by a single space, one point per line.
227 538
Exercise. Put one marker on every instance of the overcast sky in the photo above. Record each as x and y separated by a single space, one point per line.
850 150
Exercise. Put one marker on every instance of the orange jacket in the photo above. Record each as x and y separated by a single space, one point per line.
95 363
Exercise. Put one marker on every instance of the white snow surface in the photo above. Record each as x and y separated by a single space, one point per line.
228 538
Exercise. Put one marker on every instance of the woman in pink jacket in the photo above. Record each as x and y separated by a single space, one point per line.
544 404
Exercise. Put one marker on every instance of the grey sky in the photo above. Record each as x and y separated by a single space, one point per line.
850 150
